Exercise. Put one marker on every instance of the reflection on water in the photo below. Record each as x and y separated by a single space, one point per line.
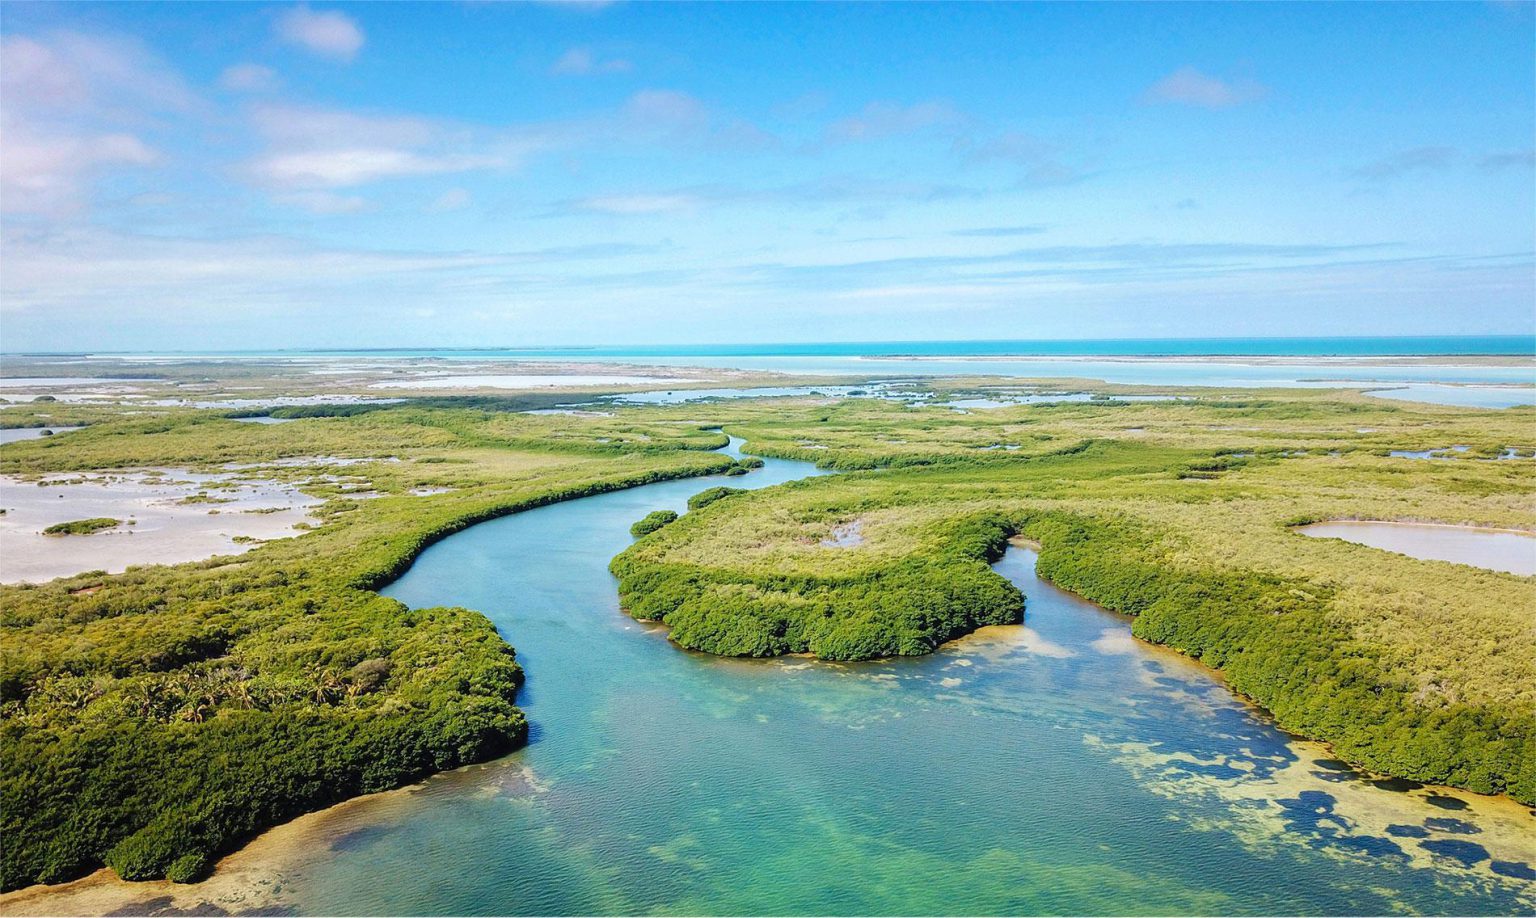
1059 767
17 434
1465 396
1491 549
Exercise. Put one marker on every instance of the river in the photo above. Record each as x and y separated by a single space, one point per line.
1058 767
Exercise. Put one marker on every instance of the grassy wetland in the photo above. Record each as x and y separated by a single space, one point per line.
156 719
1180 513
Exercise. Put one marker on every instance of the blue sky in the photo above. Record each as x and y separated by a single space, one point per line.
200 176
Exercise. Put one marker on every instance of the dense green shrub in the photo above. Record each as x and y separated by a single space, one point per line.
83 527
1275 643
709 495
651 522
152 720
907 608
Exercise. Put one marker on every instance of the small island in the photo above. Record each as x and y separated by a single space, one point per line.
83 527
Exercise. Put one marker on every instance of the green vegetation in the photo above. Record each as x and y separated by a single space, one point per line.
153 719
1179 513
157 721
83 527
905 608
709 495
651 522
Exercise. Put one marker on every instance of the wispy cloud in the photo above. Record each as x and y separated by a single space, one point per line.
248 78
74 107
1513 159
1032 229
450 200
1039 161
311 148
1418 159
630 205
81 268
829 190
880 120
1188 86
586 62
330 33
323 202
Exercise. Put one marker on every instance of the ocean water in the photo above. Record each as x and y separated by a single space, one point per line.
1330 362
1356 346
1061 767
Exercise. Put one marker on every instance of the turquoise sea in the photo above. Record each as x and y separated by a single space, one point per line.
1357 346
1229 362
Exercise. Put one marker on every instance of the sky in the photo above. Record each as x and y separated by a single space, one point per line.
243 175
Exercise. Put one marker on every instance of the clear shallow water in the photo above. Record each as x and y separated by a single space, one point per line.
1462 396
170 524
1061 767
17 434
1493 549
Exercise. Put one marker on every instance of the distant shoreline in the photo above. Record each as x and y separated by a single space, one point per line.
1348 347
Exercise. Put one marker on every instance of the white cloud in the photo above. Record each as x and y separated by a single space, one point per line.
44 171
86 266
75 72
1188 86
638 204
72 108
248 78
345 167
586 62
316 149
329 34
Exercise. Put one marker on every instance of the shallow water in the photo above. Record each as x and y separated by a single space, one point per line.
1491 549
526 381
1471 386
1061 767
1463 396
171 524
17 434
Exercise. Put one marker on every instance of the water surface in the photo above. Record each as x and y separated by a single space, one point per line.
1492 549
1061 767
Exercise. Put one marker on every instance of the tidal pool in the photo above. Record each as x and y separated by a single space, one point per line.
1493 549
177 516
1061 767
17 434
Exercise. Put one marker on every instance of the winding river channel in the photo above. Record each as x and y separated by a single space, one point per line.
1058 767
